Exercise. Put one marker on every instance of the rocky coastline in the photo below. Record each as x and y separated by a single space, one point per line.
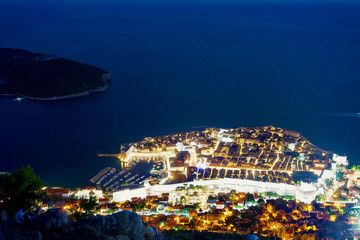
45 77
85 93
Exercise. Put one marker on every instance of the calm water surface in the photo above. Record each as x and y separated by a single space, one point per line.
178 66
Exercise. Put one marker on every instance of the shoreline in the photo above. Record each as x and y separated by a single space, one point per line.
104 77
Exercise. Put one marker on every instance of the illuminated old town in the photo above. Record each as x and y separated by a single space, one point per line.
267 180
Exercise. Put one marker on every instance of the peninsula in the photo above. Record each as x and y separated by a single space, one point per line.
47 77
263 157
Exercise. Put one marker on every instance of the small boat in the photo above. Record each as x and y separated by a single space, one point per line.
19 99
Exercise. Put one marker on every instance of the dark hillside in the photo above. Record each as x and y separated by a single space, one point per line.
42 76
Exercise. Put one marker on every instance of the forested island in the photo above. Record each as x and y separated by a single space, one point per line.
47 77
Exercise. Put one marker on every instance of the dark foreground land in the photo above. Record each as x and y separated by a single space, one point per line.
47 77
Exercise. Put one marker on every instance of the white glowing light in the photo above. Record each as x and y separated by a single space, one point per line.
202 165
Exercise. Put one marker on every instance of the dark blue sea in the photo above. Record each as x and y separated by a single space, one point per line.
179 65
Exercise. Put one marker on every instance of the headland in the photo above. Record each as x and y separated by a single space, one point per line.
47 77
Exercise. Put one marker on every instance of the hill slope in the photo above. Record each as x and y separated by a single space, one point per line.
42 76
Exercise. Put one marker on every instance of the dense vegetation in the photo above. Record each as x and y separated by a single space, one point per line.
304 176
38 75
19 189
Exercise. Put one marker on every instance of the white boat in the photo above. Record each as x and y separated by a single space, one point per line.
19 99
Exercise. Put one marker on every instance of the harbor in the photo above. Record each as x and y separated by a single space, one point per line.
132 177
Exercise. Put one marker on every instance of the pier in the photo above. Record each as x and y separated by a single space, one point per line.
122 159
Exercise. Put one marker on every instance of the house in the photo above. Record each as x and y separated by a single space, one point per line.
127 194
44 207
211 203
353 191
177 209
58 192
319 163
89 192
220 205
340 160
193 213
104 201
161 206
291 133
183 220
103 208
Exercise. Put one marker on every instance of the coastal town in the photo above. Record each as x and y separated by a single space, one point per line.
266 180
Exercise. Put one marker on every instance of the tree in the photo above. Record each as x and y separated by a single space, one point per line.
232 195
196 206
320 197
108 193
329 182
88 205
340 174
249 197
315 205
183 200
356 168
261 201
212 197
20 189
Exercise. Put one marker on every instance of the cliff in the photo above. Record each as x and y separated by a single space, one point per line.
47 77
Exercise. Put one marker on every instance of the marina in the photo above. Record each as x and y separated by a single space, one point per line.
135 176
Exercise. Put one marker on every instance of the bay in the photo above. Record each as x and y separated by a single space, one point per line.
176 66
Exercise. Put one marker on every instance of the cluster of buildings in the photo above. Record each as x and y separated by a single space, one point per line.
59 197
261 153
266 179
261 159
222 208
225 211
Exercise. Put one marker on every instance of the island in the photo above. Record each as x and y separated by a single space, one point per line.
46 76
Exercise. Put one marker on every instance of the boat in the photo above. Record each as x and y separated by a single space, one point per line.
19 99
